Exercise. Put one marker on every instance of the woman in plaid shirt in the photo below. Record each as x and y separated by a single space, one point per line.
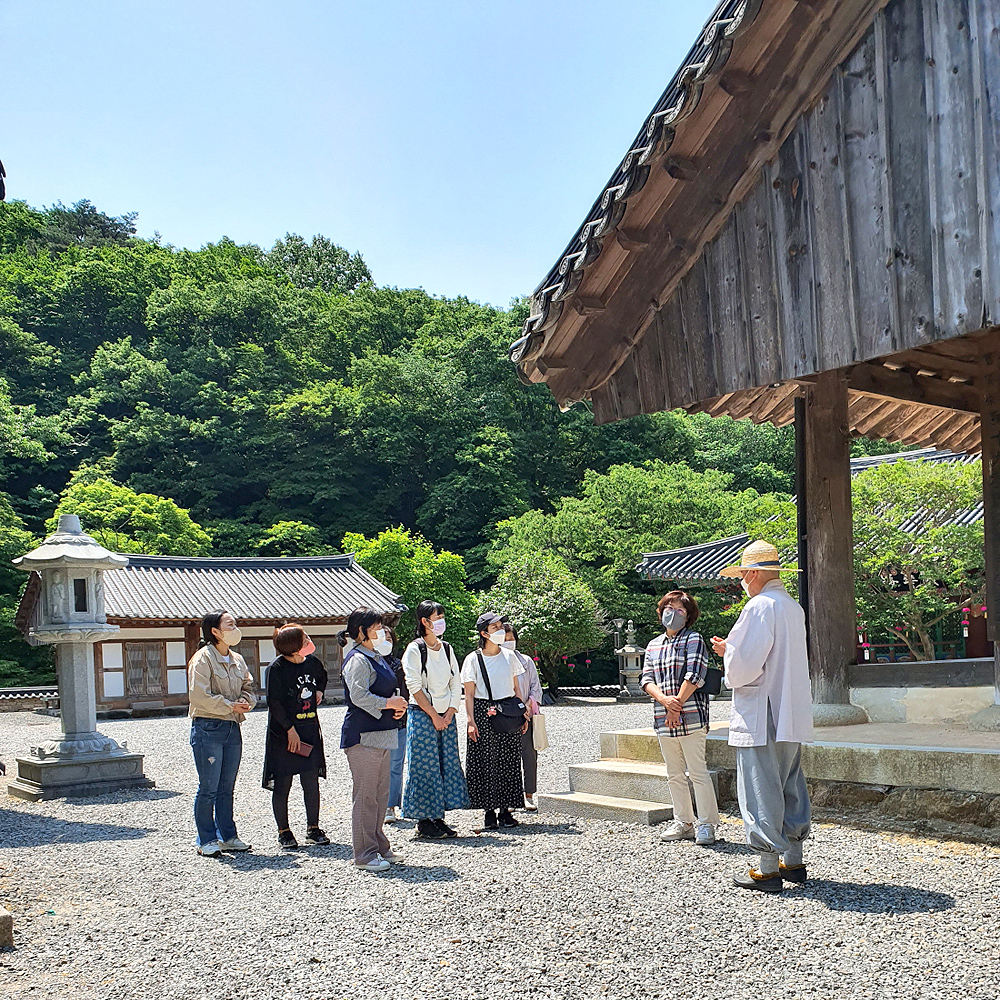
673 674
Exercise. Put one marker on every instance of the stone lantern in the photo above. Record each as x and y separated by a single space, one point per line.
71 616
630 658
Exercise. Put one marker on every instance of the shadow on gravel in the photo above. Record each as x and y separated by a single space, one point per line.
131 795
259 862
418 873
877 897
18 829
549 828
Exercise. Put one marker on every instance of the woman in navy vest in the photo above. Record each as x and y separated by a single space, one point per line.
369 734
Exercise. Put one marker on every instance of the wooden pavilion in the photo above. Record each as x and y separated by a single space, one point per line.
807 229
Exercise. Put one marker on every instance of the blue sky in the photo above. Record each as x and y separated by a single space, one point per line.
457 145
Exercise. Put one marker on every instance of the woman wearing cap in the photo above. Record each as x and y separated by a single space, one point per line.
369 732
220 693
492 759
435 782
674 672
296 680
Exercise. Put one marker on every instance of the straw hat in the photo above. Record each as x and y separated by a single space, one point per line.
758 555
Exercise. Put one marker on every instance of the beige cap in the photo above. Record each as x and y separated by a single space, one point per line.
758 555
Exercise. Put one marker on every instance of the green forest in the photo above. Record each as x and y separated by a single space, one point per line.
236 400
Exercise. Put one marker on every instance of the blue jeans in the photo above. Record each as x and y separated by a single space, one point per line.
218 748
396 759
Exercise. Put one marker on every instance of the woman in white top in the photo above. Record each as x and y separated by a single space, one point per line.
493 759
435 782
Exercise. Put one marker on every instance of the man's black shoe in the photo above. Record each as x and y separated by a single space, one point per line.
754 879
490 823
445 829
506 820
793 873
428 828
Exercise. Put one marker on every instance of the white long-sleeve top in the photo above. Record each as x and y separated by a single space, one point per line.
767 665
442 683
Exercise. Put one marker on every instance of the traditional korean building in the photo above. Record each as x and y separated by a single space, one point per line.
158 603
806 229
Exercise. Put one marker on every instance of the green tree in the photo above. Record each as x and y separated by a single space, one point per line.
917 557
555 612
318 264
291 538
125 521
410 566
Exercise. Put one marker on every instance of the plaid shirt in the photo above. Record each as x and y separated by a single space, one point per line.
671 660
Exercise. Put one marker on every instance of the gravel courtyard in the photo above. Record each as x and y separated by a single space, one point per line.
111 901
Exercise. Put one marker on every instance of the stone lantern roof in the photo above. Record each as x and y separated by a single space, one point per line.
68 547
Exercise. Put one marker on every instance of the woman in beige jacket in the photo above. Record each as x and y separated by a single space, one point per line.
220 691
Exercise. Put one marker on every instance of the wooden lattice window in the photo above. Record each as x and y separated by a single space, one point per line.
329 650
145 669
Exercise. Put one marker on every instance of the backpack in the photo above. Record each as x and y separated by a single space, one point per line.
422 649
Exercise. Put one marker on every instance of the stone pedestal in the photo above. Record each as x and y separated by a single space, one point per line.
839 715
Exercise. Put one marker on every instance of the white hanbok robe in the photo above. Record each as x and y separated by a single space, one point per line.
766 664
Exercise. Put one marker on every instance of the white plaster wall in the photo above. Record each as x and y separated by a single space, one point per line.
922 704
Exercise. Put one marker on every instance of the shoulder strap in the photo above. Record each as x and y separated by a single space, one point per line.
422 649
485 673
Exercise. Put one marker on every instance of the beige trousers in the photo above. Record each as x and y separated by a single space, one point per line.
687 753
370 798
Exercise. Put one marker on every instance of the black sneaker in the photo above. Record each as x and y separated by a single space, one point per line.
506 820
314 835
287 841
428 828
490 823
445 829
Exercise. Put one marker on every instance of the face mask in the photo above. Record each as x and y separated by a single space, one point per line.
309 648
232 636
438 627
745 586
497 636
509 644
673 619
382 646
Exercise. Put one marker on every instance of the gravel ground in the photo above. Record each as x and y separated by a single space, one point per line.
111 900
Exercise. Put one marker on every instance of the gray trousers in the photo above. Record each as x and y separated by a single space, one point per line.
370 771
774 800
529 760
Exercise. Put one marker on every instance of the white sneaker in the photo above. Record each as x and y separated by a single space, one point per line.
234 845
530 804
704 835
395 856
377 864
390 815
210 850
676 830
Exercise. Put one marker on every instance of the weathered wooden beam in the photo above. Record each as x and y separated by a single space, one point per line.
884 381
631 240
829 534
588 305
681 168
736 82
938 363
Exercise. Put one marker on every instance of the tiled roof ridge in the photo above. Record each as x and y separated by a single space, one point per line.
338 561
730 19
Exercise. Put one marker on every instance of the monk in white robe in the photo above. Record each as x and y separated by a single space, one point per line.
767 668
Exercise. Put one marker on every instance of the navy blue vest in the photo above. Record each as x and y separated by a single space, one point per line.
357 720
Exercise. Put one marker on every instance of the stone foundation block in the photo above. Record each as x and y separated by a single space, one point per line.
6 928
940 804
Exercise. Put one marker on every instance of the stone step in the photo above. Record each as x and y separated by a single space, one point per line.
589 806
629 779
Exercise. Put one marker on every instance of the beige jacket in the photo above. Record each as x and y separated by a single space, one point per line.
214 686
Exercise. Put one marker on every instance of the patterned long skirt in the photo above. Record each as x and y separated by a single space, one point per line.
434 778
493 765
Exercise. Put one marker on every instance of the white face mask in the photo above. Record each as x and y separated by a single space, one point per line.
231 636
497 636
438 627
745 586
380 643
509 644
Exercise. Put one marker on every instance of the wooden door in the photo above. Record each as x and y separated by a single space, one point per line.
145 665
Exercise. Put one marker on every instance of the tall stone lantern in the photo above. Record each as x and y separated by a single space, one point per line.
81 761
630 658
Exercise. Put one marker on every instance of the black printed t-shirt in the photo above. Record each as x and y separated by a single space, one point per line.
291 701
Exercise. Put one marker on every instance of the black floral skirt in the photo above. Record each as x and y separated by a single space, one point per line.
493 765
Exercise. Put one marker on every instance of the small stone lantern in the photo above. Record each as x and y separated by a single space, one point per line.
630 658
81 761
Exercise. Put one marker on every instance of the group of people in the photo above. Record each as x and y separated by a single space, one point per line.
766 666
405 709
398 709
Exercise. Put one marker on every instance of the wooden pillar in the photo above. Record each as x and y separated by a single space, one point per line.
192 636
989 413
830 550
